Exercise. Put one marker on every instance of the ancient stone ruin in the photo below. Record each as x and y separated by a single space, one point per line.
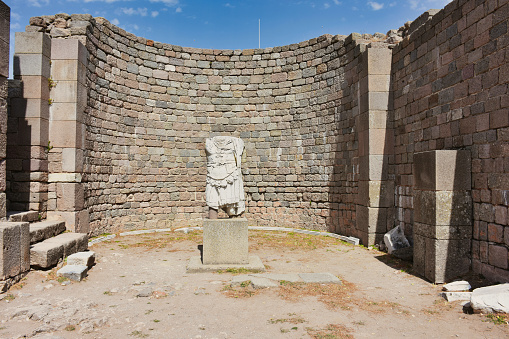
350 134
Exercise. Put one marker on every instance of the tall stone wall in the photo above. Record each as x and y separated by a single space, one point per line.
5 15
450 82
151 106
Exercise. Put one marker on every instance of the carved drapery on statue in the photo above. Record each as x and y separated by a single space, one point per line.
225 188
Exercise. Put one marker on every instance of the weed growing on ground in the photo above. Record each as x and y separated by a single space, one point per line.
70 328
291 240
502 319
243 291
292 320
332 295
138 334
9 297
331 331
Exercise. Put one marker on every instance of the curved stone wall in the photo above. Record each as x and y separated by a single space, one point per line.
152 105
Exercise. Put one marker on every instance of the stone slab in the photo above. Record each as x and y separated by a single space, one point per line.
457 286
195 265
259 283
290 277
40 231
82 258
73 272
225 241
320 278
48 252
454 296
491 299
13 248
442 170
18 216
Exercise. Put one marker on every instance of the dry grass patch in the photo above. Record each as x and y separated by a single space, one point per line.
332 295
294 319
290 240
244 290
159 240
331 331
382 307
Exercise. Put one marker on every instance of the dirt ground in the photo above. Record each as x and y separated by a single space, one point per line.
139 288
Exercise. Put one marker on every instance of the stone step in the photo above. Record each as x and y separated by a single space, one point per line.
18 216
43 230
47 253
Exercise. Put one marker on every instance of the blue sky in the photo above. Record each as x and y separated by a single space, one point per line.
232 24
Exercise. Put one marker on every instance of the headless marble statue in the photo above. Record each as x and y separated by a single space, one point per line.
225 188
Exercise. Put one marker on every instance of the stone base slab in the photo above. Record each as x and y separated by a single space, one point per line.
195 265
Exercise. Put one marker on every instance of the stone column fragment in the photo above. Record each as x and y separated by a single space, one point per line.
4 74
442 214
67 133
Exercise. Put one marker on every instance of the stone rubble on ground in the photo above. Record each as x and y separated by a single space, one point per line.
266 280
454 296
457 286
491 299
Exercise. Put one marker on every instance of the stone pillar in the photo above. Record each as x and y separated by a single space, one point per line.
69 60
225 241
4 74
375 199
29 123
442 214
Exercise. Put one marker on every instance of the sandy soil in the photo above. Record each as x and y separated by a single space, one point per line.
139 288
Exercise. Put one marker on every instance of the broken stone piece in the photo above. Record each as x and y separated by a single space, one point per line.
491 299
73 272
454 296
82 258
395 239
457 286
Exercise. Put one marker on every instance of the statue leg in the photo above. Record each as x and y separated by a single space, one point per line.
212 213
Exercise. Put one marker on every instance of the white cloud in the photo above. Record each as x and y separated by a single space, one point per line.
326 5
15 25
132 11
178 10
170 3
107 1
375 5
229 5
115 22
15 16
154 13
38 3
423 5
337 2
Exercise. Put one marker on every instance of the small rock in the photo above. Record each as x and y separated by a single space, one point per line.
491 299
258 283
82 258
456 286
65 283
144 293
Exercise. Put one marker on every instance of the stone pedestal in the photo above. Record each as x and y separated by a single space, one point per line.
225 241
442 214
225 247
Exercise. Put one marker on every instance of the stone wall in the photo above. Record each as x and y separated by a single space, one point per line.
151 106
450 79
5 15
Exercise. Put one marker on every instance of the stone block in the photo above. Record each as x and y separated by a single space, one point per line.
419 254
443 207
225 241
498 256
379 82
44 255
443 170
72 160
68 70
446 259
68 91
259 282
3 205
14 244
73 272
442 232
373 167
32 43
70 197
29 108
380 141
74 221
40 231
371 219
66 134
378 101
455 296
70 111
64 177
376 193
491 299
82 258
35 87
4 58
69 49
31 64
379 60
33 131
